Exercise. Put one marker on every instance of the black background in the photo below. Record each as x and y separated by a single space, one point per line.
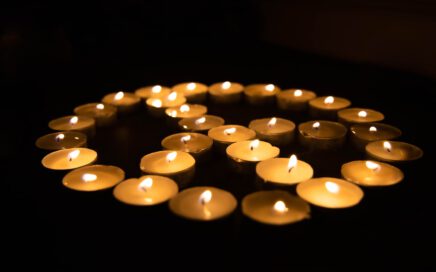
57 57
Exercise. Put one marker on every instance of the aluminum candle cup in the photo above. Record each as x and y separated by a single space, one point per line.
371 173
93 178
61 140
201 124
103 115
223 136
362 134
124 101
327 107
70 158
294 99
156 91
393 151
261 94
226 92
358 116
157 106
196 144
277 131
322 135
83 124
193 91
175 114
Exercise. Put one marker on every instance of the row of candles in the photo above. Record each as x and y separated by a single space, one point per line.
249 149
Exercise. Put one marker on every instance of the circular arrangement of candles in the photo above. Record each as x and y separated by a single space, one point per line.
157 105
83 124
362 134
371 173
327 107
225 92
93 178
61 140
357 116
323 135
277 131
223 136
294 99
103 114
193 91
201 124
393 151
71 158
196 144
125 102
152 91
260 94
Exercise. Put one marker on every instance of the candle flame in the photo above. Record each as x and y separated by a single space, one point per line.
205 197
280 207
172 96
332 187
372 129
156 89
270 87
329 100
272 122
292 163
254 144
157 103
59 137
298 93
230 131
185 139
226 85
171 156
173 113
73 154
191 86
89 177
316 125
100 106
200 121
387 146
119 95
74 120
362 114
146 184
372 166
184 108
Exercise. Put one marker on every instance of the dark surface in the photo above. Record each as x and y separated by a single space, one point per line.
74 61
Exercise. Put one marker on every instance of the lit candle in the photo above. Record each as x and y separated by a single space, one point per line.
124 101
177 165
324 135
358 115
243 156
203 203
201 124
327 107
330 192
157 106
223 136
146 190
61 140
371 173
93 178
226 92
259 94
83 124
175 114
284 171
103 114
196 144
70 158
193 91
362 134
393 151
294 99
277 131
275 207
152 91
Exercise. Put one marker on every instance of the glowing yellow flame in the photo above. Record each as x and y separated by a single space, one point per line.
100 106
172 96
329 100
332 187
292 163
372 166
89 177
205 197
73 154
156 89
280 207
372 129
185 139
226 85
157 103
173 113
119 95
362 114
230 131
387 146
146 184
191 86
200 120
59 137
270 87
74 120
171 156
298 93
316 125
272 122
184 108
254 144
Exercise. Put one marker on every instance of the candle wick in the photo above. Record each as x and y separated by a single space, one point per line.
251 148
290 169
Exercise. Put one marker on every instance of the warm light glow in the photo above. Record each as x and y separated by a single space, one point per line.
272 122
156 89
372 166
372 129
89 177
387 146
292 163
332 187
270 87
146 184
191 86
329 100
362 114
254 144
157 103
173 113
184 108
298 93
100 106
226 85
171 156
59 137
280 207
316 125
119 95
172 96
73 154
185 139
205 197
200 121
74 120
230 131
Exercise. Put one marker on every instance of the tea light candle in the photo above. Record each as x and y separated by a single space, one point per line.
177 165
284 171
330 192
196 144
323 135
277 131
358 115
124 101
327 107
93 178
371 173
201 124
244 155
226 92
82 124
70 158
362 134
193 91
103 114
203 203
157 106
152 91
175 114
146 190
223 136
294 99
259 94
275 207
393 151
61 140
